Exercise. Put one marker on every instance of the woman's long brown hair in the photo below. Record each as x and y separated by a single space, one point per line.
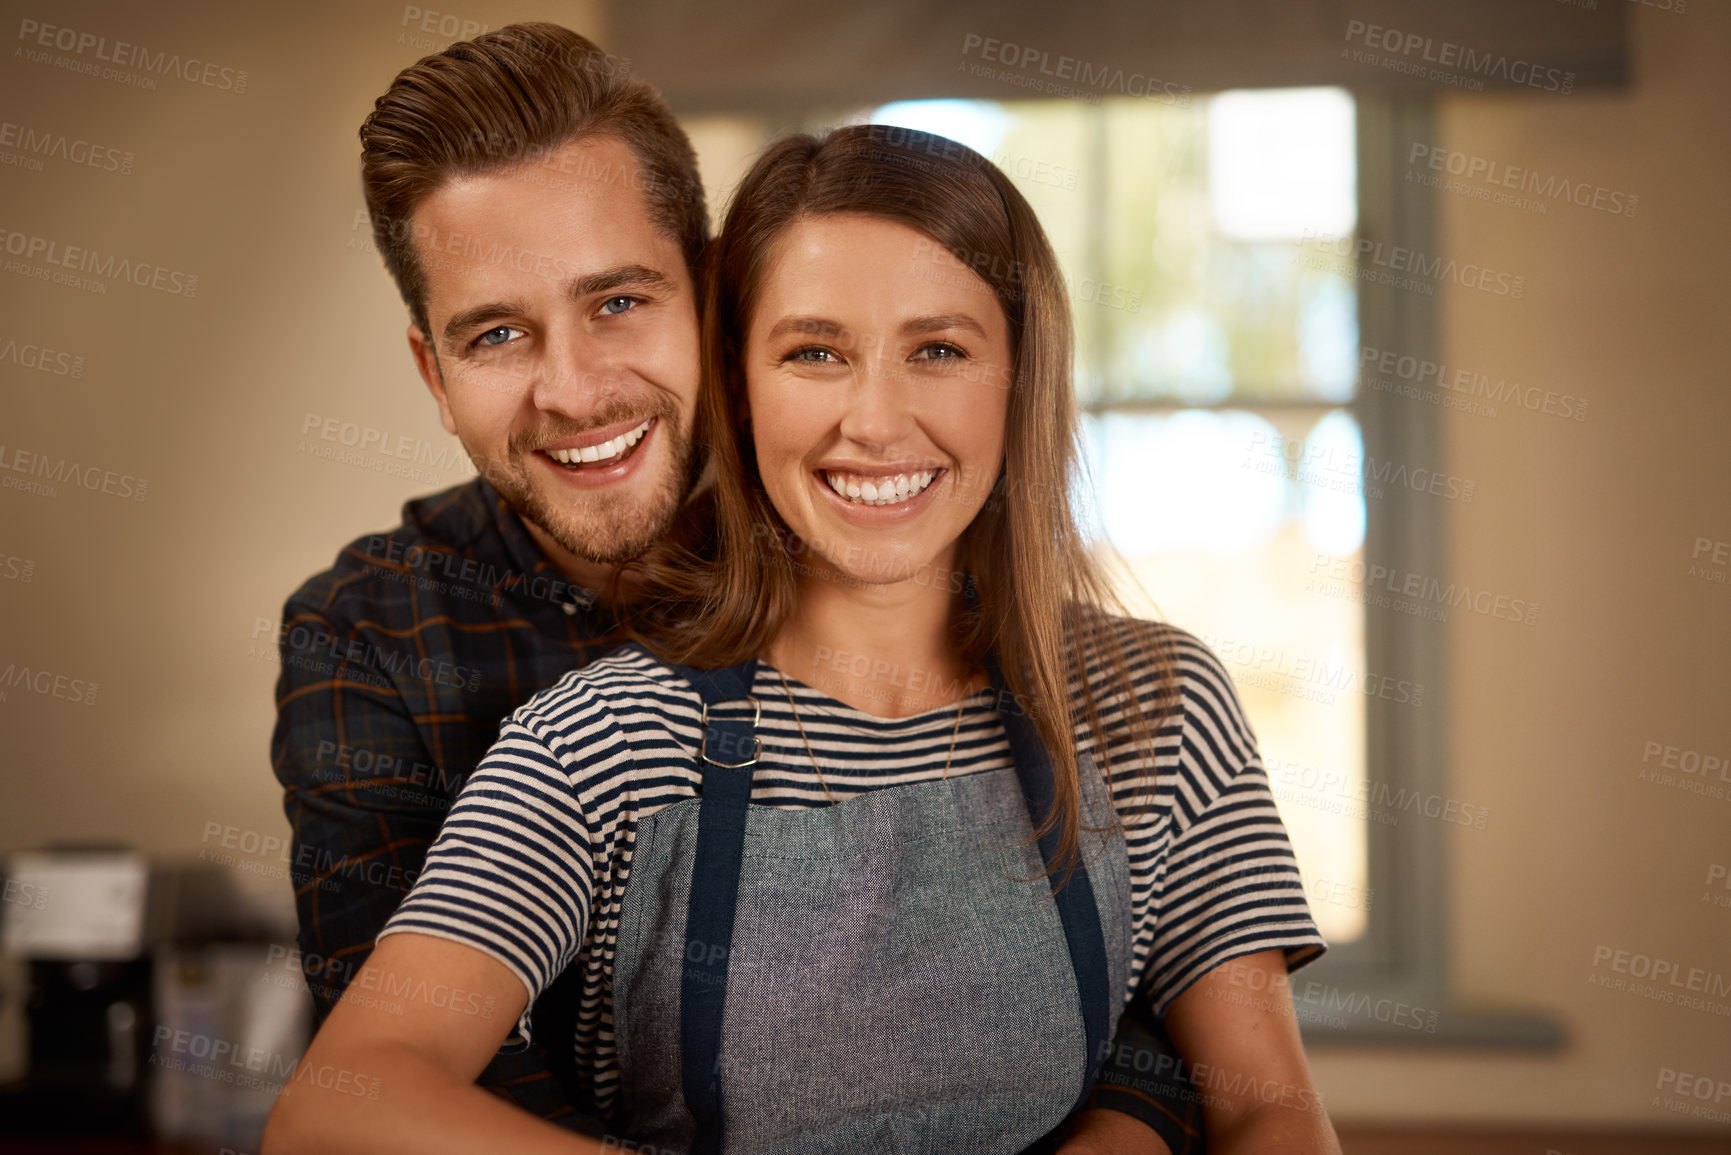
1044 604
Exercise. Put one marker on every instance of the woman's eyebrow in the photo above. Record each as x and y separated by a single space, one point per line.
912 327
811 326
937 322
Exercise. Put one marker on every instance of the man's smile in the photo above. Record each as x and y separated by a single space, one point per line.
590 450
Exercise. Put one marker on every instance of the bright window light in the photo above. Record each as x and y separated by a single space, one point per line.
979 124
1182 482
1333 485
1281 163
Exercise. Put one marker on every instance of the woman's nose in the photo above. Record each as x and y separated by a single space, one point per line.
880 405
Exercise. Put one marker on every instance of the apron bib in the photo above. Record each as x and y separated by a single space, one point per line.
869 976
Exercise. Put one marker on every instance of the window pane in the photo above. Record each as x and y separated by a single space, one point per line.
1203 213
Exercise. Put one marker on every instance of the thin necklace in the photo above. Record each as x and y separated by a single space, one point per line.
786 689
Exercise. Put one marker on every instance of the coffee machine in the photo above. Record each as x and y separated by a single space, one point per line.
73 923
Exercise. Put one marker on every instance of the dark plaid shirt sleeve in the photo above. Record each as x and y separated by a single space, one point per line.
356 775
398 665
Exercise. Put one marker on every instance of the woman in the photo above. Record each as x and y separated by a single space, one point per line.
873 849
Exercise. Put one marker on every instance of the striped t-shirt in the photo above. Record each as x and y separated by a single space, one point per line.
531 865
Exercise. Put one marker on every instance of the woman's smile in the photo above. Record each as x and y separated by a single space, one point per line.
867 488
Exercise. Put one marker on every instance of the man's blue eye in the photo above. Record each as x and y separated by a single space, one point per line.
624 303
497 336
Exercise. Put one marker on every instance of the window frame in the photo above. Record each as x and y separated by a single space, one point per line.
1403 952
1403 955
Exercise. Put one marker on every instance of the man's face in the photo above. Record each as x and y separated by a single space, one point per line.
563 345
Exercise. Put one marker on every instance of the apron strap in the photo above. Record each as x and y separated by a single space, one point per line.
727 754
1076 909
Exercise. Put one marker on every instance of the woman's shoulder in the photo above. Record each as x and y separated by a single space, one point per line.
622 685
1150 650
1179 682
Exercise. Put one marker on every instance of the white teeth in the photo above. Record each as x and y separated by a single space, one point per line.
884 491
611 448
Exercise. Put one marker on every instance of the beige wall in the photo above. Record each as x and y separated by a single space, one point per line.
1596 521
157 600
202 395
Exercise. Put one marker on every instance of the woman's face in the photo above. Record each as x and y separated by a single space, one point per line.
877 369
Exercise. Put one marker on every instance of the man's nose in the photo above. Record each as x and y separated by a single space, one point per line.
575 373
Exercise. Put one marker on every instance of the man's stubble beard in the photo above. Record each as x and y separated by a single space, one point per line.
609 530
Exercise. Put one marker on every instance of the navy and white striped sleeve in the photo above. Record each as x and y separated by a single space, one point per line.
1231 885
511 872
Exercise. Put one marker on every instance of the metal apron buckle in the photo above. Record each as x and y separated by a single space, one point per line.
756 742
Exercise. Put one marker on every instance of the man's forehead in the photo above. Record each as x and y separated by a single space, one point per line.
570 213
596 164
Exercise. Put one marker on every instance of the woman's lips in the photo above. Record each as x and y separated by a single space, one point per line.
879 489
900 503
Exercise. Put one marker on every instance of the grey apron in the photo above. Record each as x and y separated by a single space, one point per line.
887 974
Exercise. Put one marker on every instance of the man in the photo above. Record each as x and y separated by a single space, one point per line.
546 242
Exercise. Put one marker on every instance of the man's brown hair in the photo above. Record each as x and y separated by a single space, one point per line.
510 97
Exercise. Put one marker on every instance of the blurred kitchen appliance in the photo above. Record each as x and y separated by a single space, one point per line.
76 918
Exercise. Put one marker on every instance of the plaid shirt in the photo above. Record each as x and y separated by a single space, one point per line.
398 665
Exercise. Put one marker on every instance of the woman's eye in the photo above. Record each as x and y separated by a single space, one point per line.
812 355
613 306
942 351
498 335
